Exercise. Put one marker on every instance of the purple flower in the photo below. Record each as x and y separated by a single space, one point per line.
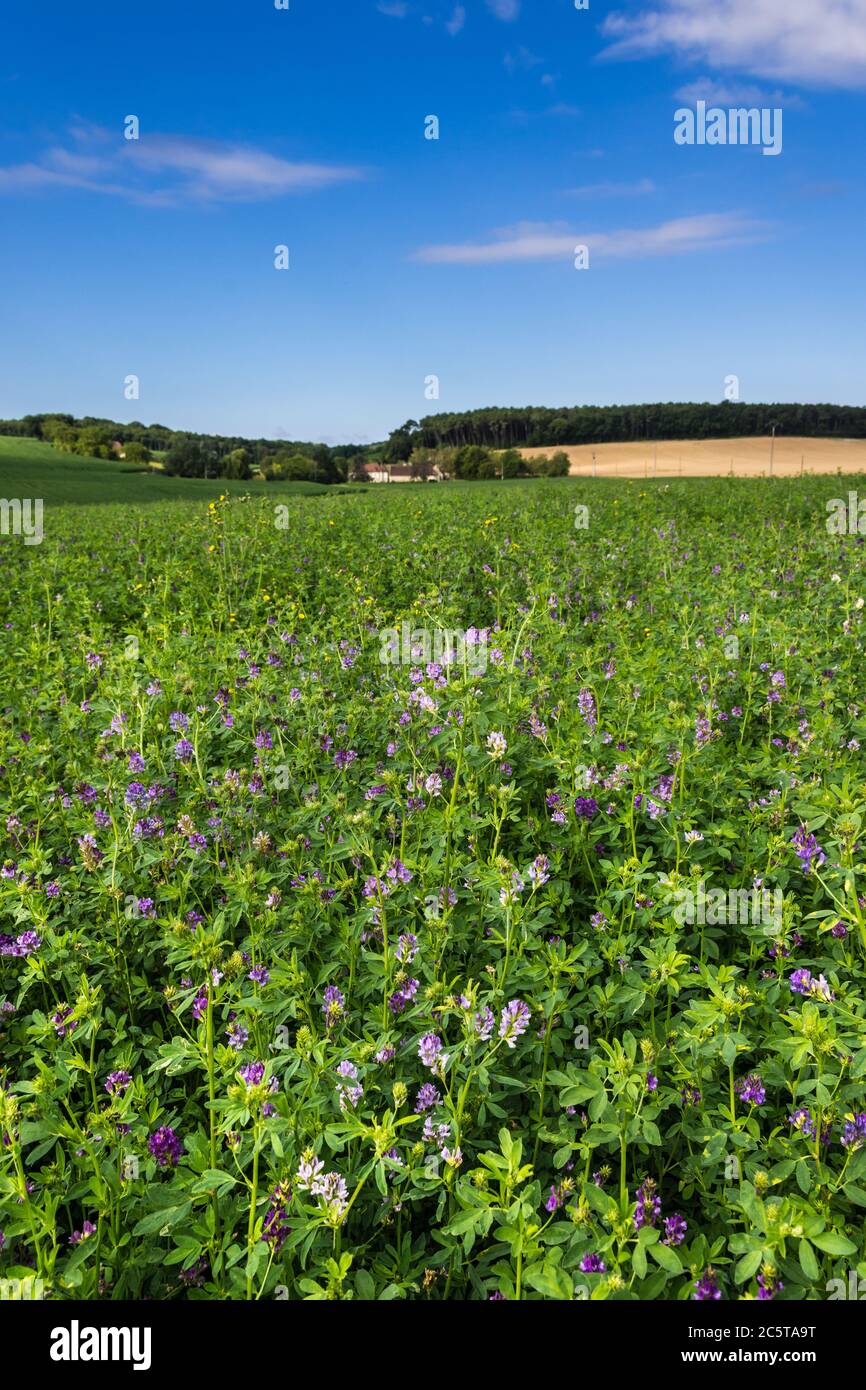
802 1121
402 997
259 975
426 1098
555 1200
91 854
334 1005
593 1264
406 948
703 732
117 1082
275 1227
585 807
183 750
539 870
61 1022
751 1089
483 1023
649 1205
854 1132
22 945
429 1050
237 1035
252 1073
513 1021
586 706
675 1230
801 982
768 1286
165 1147
77 1237
707 1288
807 849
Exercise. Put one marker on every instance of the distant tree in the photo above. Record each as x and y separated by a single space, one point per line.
559 465
188 458
95 441
236 464
511 463
538 465
469 460
135 452
64 437
401 443
421 464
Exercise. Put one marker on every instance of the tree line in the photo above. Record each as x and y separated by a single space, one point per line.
498 427
185 454
470 444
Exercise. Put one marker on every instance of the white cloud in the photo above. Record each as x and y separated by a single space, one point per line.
394 9
457 20
168 169
523 117
614 190
783 40
544 241
508 10
734 94
522 60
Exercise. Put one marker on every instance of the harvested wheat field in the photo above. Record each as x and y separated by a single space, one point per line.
701 458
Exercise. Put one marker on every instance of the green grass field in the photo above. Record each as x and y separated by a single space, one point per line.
32 468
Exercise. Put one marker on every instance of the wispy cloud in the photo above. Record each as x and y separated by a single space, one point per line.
614 190
507 10
553 241
521 60
452 19
782 40
169 169
559 109
735 94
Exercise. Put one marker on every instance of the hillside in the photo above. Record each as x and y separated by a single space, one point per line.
32 468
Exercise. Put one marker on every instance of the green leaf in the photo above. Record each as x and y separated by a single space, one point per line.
748 1265
808 1263
832 1243
667 1258
152 1224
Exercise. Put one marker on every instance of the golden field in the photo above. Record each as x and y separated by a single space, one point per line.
705 458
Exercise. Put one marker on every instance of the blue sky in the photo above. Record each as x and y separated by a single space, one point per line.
412 257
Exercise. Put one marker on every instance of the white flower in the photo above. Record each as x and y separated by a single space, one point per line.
859 603
496 744
835 579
